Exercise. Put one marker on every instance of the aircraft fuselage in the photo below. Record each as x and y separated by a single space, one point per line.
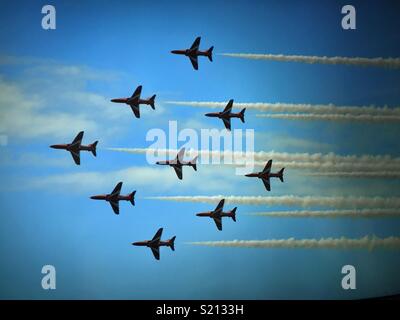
132 101
151 244
174 163
262 175
212 214
222 115
70 147
191 53
110 197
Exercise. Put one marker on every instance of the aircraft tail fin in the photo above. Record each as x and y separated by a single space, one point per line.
280 174
241 114
93 148
171 243
209 53
233 214
151 102
193 163
132 197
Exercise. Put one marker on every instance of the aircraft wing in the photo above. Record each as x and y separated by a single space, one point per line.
267 184
137 93
117 189
78 138
228 107
157 236
136 111
194 62
115 206
227 123
218 222
76 155
178 170
220 206
180 155
267 168
156 252
196 44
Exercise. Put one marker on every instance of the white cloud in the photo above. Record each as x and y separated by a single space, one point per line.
48 99
23 116
204 180
33 159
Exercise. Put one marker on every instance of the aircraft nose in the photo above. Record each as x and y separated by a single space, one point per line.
174 51
135 243
113 100
208 114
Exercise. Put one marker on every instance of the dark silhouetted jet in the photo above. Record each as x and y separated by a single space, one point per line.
114 197
217 214
266 174
135 101
194 52
178 163
226 115
75 147
155 243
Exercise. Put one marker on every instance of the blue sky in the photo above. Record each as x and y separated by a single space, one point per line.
56 83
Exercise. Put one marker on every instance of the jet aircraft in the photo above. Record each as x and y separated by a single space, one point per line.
193 53
155 243
134 101
218 213
266 174
75 147
226 115
114 197
178 163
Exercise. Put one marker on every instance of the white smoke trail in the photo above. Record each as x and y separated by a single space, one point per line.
355 61
291 107
290 200
320 161
366 242
332 117
359 174
338 169
363 213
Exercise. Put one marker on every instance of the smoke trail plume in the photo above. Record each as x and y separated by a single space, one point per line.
318 161
363 213
366 242
359 174
354 61
290 200
291 107
338 169
332 117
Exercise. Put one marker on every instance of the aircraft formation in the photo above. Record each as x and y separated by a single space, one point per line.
113 198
